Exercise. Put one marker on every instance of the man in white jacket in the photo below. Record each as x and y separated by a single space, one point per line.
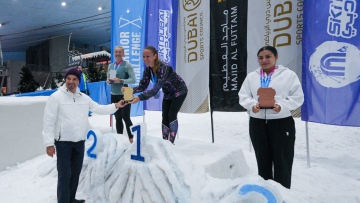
65 128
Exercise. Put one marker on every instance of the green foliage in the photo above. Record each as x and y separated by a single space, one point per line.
59 77
27 82
103 73
53 84
94 74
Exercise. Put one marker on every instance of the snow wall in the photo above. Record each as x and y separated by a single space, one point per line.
21 125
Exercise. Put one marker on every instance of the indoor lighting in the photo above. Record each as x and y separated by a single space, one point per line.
63 3
0 24
100 8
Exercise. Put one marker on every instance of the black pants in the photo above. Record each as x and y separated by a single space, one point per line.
70 156
274 142
122 114
170 109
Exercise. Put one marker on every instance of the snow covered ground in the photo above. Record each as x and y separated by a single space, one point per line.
195 169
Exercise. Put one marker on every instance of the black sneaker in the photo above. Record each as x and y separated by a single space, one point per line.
78 201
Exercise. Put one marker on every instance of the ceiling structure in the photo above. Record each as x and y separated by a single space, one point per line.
28 23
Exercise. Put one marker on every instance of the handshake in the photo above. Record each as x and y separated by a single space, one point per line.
126 101
123 103
120 104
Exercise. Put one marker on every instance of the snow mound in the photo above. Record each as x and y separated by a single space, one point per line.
169 174
114 177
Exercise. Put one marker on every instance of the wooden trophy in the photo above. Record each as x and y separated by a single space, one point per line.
266 98
128 94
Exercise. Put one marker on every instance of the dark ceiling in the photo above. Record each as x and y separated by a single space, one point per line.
30 22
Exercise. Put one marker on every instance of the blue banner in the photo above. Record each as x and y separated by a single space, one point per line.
161 33
331 62
128 30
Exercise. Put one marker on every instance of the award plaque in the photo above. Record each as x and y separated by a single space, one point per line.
112 74
266 98
128 93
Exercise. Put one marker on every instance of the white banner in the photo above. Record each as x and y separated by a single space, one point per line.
279 24
192 58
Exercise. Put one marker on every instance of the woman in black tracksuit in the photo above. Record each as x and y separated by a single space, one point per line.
162 76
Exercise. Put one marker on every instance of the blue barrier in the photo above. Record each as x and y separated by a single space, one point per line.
99 92
38 93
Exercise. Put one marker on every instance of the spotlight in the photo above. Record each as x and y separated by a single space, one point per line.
63 3
100 8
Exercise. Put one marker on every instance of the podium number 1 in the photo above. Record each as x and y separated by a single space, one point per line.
138 156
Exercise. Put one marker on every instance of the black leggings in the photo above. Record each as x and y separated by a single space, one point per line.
170 109
274 142
122 114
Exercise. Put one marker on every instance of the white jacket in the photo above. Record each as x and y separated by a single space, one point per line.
66 115
289 93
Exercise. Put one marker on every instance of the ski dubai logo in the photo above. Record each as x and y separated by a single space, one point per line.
164 35
342 15
335 64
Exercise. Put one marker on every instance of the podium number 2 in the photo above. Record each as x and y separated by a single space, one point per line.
138 156
90 152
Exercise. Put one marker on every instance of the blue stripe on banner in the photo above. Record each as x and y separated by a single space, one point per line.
331 73
128 30
161 33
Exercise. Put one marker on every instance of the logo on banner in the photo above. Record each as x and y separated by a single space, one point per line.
342 18
335 64
124 22
129 36
193 25
164 35
190 5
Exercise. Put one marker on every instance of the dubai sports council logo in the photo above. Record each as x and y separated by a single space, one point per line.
335 64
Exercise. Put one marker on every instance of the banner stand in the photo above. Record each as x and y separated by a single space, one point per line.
112 122
307 144
212 126
250 145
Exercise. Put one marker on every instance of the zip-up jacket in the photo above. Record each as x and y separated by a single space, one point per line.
126 73
289 93
66 115
171 83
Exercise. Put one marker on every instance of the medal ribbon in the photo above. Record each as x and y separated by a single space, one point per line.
153 77
265 78
116 66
